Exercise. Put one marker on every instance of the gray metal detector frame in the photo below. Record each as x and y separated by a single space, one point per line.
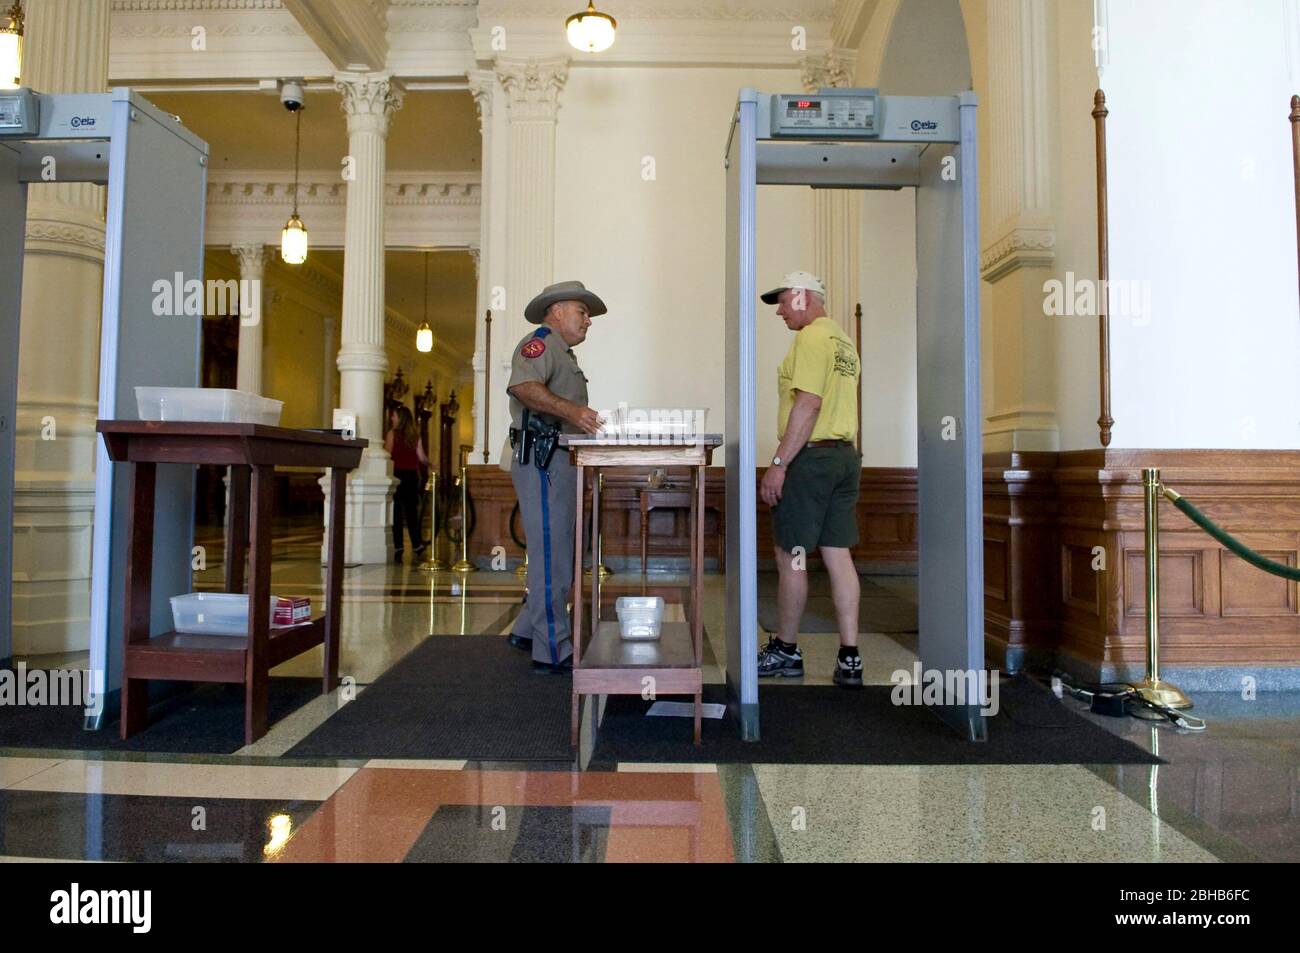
923 143
156 173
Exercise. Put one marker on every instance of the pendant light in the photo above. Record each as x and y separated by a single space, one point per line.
424 333
11 47
590 31
293 240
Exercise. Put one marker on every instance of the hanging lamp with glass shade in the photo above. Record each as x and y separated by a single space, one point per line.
424 333
591 31
11 47
293 240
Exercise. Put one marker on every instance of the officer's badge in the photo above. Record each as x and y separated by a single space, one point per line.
534 348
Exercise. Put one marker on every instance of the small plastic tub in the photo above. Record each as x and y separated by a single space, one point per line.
206 404
210 613
640 618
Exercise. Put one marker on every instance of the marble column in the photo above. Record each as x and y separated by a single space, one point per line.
66 51
1020 406
252 264
532 88
369 101
837 213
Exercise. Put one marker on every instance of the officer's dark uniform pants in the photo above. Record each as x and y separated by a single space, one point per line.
546 505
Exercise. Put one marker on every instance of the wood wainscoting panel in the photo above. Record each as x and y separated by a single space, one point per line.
1215 608
887 510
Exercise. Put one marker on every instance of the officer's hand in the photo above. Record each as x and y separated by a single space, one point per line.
587 420
772 485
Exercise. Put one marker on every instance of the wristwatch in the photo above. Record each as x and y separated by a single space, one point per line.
778 462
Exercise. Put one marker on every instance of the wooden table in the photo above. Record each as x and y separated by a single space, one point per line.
674 661
252 452
679 498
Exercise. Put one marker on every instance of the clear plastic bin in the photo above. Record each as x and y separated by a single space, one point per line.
212 613
213 404
640 618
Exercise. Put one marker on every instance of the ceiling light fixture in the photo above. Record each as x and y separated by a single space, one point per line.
293 240
424 333
591 31
11 47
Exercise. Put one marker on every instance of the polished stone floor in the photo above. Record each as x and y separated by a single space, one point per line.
1230 793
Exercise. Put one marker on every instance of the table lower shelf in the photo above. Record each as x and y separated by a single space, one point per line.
618 666
182 656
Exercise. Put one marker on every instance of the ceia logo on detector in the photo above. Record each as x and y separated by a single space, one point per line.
926 125
79 121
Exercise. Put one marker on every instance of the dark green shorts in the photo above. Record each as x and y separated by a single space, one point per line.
819 501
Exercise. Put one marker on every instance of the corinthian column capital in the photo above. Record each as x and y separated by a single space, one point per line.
369 100
533 86
252 258
482 84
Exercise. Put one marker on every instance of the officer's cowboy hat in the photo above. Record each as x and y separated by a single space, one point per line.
535 313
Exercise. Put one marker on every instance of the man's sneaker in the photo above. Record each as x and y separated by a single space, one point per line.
519 642
848 671
774 660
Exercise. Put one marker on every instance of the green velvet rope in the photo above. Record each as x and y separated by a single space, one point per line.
1235 545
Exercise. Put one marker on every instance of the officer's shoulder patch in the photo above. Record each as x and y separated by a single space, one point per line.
542 332
533 347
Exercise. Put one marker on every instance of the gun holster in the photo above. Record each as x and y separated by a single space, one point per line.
536 439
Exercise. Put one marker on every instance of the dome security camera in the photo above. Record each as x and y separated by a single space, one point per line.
291 94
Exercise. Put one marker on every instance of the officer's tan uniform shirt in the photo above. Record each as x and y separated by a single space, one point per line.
552 363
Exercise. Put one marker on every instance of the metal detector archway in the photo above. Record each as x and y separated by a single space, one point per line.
858 139
156 173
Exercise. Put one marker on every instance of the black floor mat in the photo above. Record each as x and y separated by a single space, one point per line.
828 725
209 719
453 697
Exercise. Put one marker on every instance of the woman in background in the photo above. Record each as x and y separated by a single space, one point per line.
404 445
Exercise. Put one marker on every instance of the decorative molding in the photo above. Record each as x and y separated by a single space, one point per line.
450 190
482 86
533 86
66 233
833 68
1023 246
792 11
191 6
169 31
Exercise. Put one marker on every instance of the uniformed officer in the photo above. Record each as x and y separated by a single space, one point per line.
546 380
812 484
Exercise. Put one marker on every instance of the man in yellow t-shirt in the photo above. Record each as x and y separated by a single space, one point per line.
812 482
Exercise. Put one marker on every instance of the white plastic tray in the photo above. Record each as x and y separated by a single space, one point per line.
215 404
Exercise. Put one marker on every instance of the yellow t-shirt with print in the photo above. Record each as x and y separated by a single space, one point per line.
822 361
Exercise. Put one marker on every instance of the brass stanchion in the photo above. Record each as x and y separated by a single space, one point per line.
597 558
432 563
463 564
1152 688
522 569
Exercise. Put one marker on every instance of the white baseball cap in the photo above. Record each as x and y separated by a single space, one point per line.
796 279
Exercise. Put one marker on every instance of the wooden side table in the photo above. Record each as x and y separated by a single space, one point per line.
677 498
252 452
674 661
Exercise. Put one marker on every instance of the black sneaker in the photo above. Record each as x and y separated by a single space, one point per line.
519 642
774 660
848 671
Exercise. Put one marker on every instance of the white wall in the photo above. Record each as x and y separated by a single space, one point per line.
1202 207
655 249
